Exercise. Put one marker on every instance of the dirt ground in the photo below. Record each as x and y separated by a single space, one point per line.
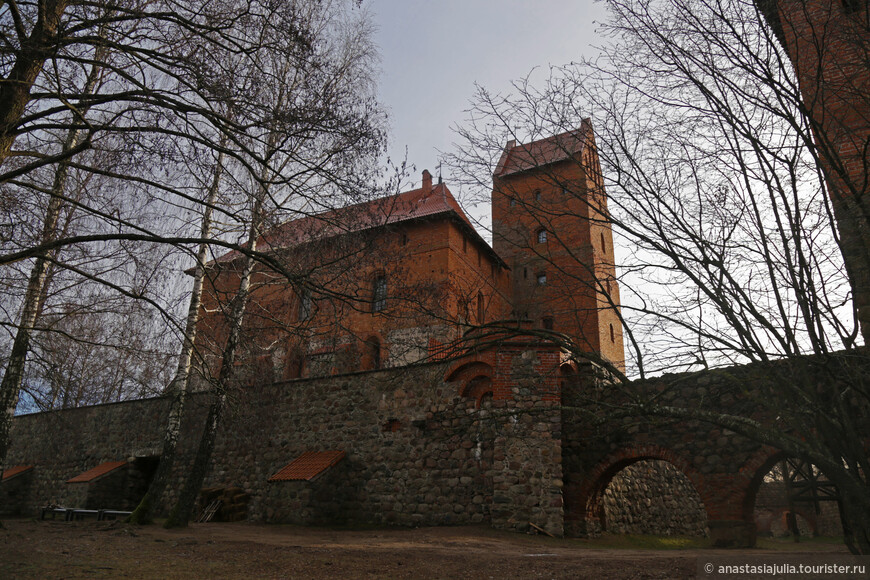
54 549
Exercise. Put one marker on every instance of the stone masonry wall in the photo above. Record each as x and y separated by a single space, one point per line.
653 497
63 444
417 452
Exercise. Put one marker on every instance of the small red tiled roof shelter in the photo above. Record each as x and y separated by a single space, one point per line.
15 470
96 472
308 466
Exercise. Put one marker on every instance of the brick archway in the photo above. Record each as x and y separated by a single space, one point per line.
753 472
475 380
758 467
583 499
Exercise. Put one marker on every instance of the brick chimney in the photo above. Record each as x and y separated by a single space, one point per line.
427 180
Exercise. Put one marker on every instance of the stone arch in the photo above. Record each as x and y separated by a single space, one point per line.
583 503
475 380
758 467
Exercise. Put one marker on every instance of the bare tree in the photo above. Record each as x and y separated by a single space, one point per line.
716 175
315 122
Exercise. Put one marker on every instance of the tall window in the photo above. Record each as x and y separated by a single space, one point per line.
379 294
305 304
541 236
373 352
481 309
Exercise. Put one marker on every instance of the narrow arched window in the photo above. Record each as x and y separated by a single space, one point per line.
305 304
603 243
541 236
612 334
379 294
481 310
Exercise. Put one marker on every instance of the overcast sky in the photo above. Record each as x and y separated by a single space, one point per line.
433 52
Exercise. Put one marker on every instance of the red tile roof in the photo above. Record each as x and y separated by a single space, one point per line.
308 465
15 470
405 206
568 145
98 471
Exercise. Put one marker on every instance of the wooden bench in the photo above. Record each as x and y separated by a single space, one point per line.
73 514
112 514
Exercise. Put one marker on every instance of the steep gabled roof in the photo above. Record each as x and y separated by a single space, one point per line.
379 212
427 201
569 145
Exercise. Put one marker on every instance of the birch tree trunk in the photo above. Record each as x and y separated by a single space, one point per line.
180 385
36 291
181 512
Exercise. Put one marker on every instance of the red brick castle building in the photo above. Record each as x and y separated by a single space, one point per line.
402 279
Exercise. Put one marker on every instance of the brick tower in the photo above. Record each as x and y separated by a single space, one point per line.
550 224
828 43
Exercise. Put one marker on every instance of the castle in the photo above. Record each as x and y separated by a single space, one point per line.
387 419
400 279
384 379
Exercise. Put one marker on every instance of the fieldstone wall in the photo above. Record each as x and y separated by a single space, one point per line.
416 452
653 497
63 444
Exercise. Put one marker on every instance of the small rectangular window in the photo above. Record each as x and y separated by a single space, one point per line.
542 279
547 323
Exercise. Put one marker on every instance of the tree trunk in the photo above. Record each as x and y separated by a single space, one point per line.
34 51
180 385
36 292
181 512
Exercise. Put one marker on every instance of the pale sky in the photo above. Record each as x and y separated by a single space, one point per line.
434 51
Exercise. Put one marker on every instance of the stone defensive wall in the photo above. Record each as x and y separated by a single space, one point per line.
419 450
508 437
